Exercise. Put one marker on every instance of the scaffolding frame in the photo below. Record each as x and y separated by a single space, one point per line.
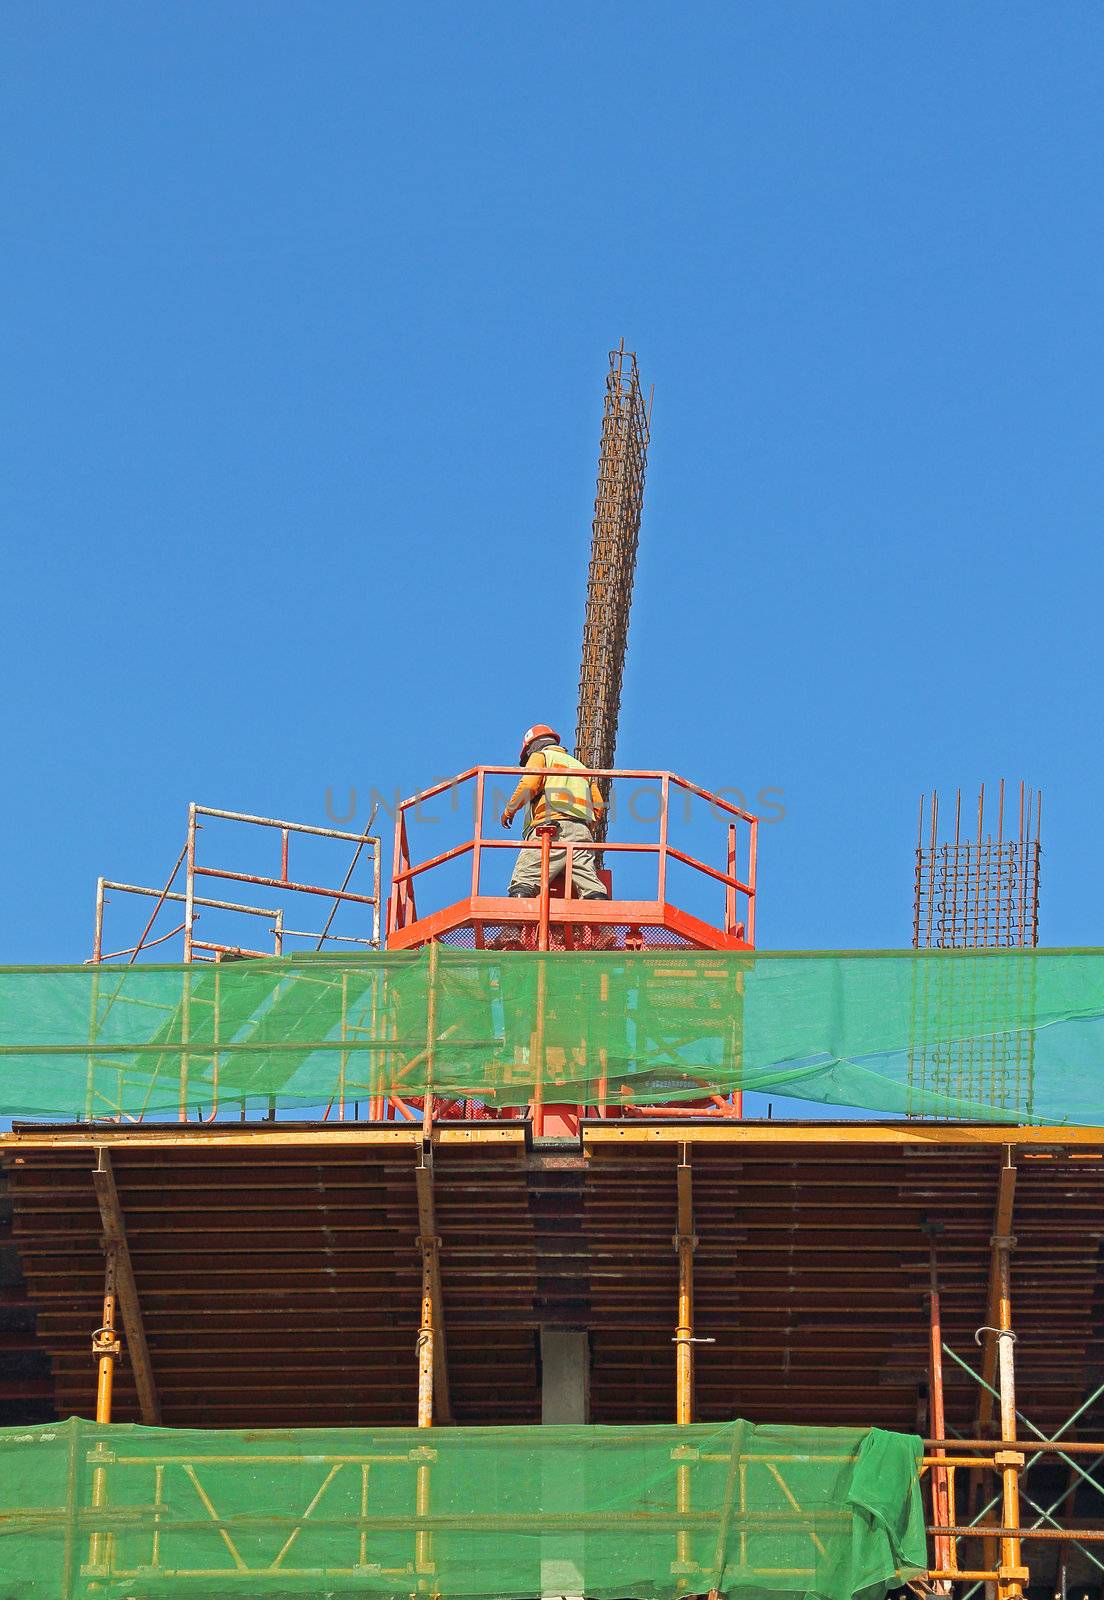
193 901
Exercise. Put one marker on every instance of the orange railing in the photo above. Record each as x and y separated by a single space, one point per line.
739 891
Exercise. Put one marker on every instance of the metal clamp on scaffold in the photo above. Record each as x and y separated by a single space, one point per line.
106 1342
1001 1333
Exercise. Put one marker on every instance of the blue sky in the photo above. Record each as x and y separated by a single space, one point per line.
306 313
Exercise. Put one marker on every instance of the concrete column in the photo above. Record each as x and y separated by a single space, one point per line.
565 1398
565 1375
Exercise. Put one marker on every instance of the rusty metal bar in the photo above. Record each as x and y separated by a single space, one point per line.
340 894
189 881
1040 1447
97 932
946 1554
1080 1535
278 883
434 1400
198 900
279 822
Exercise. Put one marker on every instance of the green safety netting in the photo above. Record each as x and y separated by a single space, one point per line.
132 1513
990 1035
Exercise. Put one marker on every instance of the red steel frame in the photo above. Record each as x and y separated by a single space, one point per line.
534 918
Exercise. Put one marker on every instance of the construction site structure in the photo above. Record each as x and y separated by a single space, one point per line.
402 1263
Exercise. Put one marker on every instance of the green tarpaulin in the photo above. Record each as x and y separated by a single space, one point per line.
990 1035
131 1513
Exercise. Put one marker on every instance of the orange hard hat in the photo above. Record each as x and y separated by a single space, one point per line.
539 730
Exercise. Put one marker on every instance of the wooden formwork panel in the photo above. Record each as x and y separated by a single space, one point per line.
279 1272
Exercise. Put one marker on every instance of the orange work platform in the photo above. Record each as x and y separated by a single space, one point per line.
556 919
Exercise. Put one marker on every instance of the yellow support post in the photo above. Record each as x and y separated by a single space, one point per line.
1012 1574
685 1243
106 1346
106 1350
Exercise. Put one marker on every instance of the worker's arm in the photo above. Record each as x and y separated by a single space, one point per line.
598 804
528 788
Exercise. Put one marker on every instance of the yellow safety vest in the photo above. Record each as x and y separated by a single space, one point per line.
565 797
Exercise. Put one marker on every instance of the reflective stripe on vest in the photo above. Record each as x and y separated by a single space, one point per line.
566 797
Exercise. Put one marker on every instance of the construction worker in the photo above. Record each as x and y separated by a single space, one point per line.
572 804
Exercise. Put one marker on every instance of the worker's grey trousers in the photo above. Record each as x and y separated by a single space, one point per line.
584 878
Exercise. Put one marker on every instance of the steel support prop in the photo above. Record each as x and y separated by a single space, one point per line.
427 1338
432 1366
685 1244
434 1402
998 1372
1009 1459
106 1350
106 1346
423 1546
122 1272
942 1479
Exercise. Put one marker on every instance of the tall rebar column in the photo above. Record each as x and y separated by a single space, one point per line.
617 508
976 886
